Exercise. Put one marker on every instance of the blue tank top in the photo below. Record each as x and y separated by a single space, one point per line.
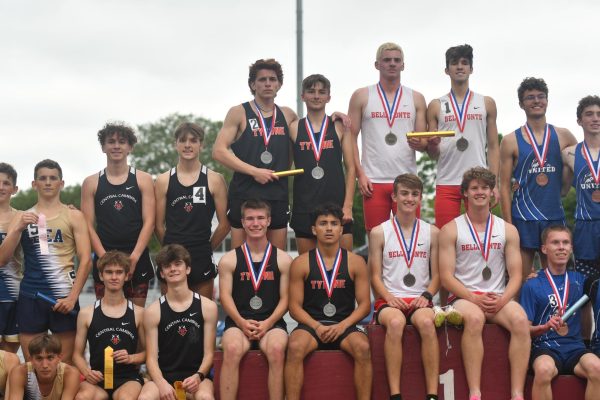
583 181
532 202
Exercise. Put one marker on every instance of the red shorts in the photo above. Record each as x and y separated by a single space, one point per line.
380 304
378 207
452 297
447 204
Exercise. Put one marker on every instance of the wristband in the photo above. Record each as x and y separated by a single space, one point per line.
200 375
427 295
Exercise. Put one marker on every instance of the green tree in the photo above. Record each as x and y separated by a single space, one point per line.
26 199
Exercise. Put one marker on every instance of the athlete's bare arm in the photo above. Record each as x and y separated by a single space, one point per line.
493 145
88 192
70 383
298 274
509 153
160 194
144 181
84 319
434 285
151 320
17 379
13 235
345 136
233 126
420 122
433 144
568 158
218 189
294 131
358 101
512 259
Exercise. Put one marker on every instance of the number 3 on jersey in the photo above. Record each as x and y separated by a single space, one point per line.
199 194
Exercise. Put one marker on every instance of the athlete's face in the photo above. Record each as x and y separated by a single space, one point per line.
188 147
535 103
316 97
47 182
390 64
45 364
176 271
557 247
590 120
459 70
113 277
256 222
116 148
478 193
266 85
7 188
407 200
328 229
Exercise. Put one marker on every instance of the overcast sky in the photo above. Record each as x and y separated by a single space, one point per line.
68 66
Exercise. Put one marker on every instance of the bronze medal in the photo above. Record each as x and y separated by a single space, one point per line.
486 273
409 280
596 196
541 179
462 144
391 139
563 330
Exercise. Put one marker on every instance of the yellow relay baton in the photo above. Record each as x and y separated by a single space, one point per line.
430 134
289 172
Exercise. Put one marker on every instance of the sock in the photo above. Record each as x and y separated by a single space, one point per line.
431 397
396 397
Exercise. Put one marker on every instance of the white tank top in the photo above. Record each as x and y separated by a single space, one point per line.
380 161
452 162
470 262
394 265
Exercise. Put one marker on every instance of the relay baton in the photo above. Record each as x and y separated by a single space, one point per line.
51 301
578 304
430 134
289 172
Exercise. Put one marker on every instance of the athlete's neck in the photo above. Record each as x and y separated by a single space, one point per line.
406 220
189 166
557 269
178 292
478 215
265 104
328 250
50 207
537 124
5 208
257 247
460 89
46 384
315 118
117 168
113 297
390 86
592 140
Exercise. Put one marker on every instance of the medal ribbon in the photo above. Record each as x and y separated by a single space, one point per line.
317 147
590 162
541 157
487 242
257 280
336 268
261 120
408 251
562 303
43 234
390 112
460 113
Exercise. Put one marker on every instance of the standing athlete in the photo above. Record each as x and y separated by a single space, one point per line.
531 171
118 204
187 197
383 114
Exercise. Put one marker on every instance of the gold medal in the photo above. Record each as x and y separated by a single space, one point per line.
108 368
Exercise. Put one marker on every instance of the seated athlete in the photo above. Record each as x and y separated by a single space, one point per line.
253 283
477 251
557 346
8 361
404 274
325 284
45 376
115 322
180 332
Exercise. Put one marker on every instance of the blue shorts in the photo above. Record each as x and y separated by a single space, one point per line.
35 316
565 361
530 232
586 245
9 331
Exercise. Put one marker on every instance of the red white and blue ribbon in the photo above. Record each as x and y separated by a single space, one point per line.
390 112
460 113
487 238
408 251
329 283
317 147
541 156
590 162
261 120
562 303
257 279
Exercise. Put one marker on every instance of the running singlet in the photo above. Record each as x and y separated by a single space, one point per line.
308 191
189 211
118 333
315 295
452 163
470 262
180 340
32 389
243 290
531 201
249 147
53 273
118 211
394 264
383 162
11 273
584 184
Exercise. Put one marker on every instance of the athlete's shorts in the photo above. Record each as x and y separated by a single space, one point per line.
589 268
448 199
530 232
171 377
280 213
35 316
301 224
565 361
254 344
333 345
118 382
586 240
380 304
9 331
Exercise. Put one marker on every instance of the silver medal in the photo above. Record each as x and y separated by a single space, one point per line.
409 280
462 144
266 157
329 310
256 303
391 139
486 273
318 172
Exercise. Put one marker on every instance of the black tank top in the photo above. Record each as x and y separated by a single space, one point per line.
243 291
118 212
249 147
308 191
315 295
189 211
118 333
180 340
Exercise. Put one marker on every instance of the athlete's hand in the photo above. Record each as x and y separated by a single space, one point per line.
248 327
261 328
347 217
478 300
338 116
122 356
26 218
417 144
495 197
133 259
166 391
398 303
64 306
553 323
94 377
434 141
492 303
419 302
365 186
333 332
191 384
263 175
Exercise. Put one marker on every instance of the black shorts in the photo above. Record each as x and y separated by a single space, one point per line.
565 363
280 213
35 315
333 345
301 224
120 381
171 377
144 270
254 344
9 330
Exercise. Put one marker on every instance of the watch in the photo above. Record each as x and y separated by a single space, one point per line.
200 375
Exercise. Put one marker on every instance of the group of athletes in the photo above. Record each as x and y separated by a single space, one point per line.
482 262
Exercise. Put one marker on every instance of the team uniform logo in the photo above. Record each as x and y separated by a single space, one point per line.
188 207
118 205
115 339
182 330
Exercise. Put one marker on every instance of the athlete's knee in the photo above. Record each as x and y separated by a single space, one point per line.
544 371
426 327
519 325
395 328
232 351
474 321
361 351
296 350
276 352
204 395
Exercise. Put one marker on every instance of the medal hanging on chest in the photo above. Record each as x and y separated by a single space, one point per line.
486 272
266 157
317 145
256 302
460 116
329 309
561 303
390 112
541 178
408 249
594 170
